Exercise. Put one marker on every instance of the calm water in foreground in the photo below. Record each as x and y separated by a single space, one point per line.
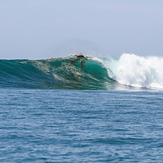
80 126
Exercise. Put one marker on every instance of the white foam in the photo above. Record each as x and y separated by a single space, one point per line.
138 71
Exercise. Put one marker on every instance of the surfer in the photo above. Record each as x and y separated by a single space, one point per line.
78 58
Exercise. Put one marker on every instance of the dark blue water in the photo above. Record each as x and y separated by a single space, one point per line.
40 125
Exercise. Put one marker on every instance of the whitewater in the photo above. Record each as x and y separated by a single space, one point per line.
130 71
137 71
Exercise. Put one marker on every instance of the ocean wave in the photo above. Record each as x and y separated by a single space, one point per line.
83 72
70 72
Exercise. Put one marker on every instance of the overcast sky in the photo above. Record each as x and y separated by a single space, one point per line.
52 28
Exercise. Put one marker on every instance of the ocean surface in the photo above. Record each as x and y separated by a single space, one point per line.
81 109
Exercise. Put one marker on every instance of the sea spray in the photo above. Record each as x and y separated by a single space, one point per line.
138 71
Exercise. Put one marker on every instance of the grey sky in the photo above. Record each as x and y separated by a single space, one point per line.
52 28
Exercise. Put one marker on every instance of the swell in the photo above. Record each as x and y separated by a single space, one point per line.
59 73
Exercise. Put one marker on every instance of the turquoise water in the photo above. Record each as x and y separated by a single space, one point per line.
49 125
55 73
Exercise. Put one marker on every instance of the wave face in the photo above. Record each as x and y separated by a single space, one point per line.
59 73
76 72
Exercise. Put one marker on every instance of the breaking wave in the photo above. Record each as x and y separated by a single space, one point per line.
137 71
86 73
